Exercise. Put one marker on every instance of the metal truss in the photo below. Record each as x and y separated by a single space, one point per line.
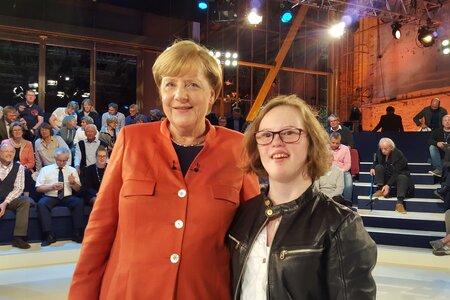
387 10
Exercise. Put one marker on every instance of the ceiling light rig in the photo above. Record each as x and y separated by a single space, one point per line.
426 36
396 33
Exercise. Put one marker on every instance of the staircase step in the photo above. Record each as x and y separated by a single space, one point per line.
411 204
421 190
365 166
420 178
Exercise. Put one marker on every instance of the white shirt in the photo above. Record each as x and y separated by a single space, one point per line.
81 135
90 148
254 281
120 117
59 114
49 175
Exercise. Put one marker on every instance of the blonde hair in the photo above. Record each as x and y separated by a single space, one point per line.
316 165
184 57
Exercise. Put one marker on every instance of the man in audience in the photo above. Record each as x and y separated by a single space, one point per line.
9 116
341 158
94 175
85 150
57 182
12 182
438 141
134 113
390 121
236 121
391 169
432 116
335 126
113 110
31 112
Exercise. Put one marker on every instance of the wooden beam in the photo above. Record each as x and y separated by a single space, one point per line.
262 94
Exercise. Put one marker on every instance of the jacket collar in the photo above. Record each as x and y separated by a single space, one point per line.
281 209
210 130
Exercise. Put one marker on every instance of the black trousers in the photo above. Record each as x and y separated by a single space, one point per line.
46 204
401 181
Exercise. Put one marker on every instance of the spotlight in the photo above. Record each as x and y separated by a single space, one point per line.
337 30
446 51
286 16
396 33
445 45
426 36
202 5
254 18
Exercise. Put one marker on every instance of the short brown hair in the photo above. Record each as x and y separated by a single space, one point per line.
316 164
185 56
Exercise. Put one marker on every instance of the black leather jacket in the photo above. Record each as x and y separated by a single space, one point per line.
320 251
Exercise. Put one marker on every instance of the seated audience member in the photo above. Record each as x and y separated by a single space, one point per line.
432 116
58 181
93 175
108 134
155 115
87 110
341 158
46 145
134 112
236 121
113 111
80 135
68 130
442 246
85 153
12 181
390 121
32 113
443 191
332 183
140 119
9 116
24 153
335 126
222 121
58 115
391 169
438 141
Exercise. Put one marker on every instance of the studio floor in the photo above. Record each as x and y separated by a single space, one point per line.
394 282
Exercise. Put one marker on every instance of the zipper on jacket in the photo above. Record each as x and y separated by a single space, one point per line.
238 288
238 243
284 253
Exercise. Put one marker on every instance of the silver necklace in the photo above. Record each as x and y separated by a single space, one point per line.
191 145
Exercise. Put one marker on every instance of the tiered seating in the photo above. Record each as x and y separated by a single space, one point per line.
425 218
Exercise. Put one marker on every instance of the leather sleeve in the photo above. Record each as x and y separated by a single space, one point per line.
351 258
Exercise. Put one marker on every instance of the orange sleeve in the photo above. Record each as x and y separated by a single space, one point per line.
101 230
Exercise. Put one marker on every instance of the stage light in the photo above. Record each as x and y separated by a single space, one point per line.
445 43
425 36
202 5
286 16
396 33
254 18
337 30
445 46
226 58
446 51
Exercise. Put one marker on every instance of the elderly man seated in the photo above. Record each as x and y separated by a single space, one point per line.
85 150
391 169
58 181
12 181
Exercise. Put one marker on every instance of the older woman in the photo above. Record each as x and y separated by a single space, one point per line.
293 242
108 134
46 145
68 131
58 114
157 230
87 110
24 149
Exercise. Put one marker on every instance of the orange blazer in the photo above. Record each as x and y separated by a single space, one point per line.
154 234
26 155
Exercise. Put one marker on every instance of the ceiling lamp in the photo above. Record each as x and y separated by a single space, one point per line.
202 5
425 36
286 16
396 33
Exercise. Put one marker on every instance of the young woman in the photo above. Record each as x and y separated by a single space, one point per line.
293 242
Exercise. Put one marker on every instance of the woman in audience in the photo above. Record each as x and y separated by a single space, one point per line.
93 175
46 145
158 226
312 247
58 115
68 130
87 110
108 134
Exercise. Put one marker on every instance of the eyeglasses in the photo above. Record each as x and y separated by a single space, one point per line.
288 136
